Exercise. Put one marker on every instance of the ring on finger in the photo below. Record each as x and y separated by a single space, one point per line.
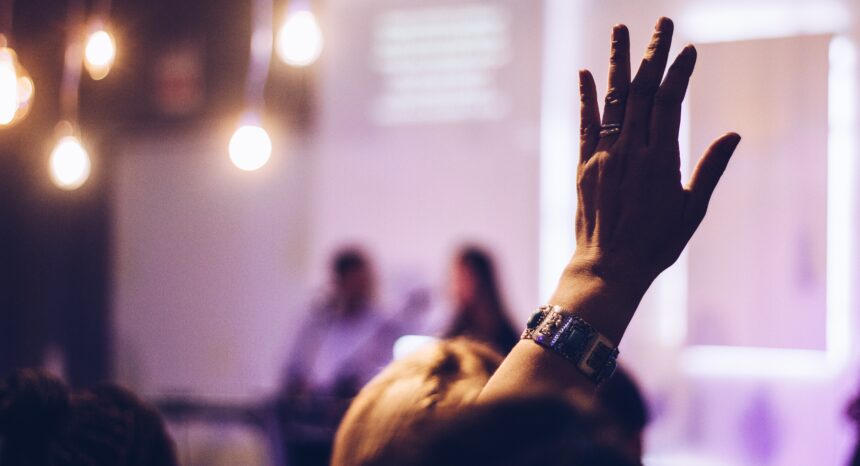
609 129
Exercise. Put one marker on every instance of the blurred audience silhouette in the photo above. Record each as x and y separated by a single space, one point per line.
530 430
854 415
479 310
345 340
421 410
42 423
396 405
623 402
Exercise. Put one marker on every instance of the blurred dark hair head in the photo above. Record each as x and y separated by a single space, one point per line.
480 264
353 281
43 423
853 413
480 312
33 411
624 404
348 260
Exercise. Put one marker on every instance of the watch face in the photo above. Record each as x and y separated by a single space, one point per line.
599 356
576 342
608 369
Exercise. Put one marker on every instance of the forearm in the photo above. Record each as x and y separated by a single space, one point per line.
608 307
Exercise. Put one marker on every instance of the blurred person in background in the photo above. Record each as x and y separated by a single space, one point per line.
624 404
479 310
42 423
854 415
343 343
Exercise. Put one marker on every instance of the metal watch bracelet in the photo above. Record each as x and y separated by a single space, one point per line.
575 339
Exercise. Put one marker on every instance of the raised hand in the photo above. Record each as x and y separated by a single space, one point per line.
634 216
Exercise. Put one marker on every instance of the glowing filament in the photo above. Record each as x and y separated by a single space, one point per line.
299 41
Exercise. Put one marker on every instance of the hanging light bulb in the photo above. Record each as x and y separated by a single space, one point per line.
299 41
250 147
69 163
99 53
16 87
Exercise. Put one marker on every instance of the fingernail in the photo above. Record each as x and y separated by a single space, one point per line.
736 137
689 52
663 23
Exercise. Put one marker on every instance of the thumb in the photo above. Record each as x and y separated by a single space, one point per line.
706 175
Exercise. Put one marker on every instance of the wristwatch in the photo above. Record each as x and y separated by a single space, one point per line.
575 339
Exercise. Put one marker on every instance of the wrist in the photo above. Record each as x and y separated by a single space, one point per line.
605 303
617 275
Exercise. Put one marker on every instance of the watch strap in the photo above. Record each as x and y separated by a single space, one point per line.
576 340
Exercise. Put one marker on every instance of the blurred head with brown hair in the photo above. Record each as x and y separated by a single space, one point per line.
397 403
540 429
422 411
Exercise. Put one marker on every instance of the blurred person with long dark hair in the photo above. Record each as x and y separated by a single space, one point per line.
479 310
